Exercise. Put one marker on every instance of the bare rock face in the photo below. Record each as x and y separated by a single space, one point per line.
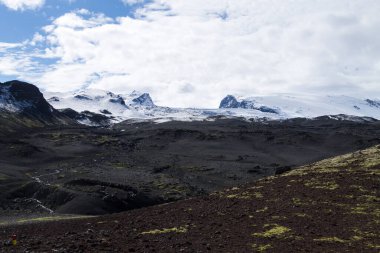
22 102
26 99
373 103
87 117
231 102
144 100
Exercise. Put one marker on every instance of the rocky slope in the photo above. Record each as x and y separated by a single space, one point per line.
85 170
23 105
329 206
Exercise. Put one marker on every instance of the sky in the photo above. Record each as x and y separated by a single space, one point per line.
193 53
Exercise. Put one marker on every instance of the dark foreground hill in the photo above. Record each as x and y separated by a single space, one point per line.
329 206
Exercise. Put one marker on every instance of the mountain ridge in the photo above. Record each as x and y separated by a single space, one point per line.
103 108
23 105
140 106
295 105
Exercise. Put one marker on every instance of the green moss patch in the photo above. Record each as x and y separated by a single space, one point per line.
330 239
166 230
326 185
51 218
274 232
261 247
3 177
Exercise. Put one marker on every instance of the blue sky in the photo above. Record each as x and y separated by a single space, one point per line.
191 53
16 26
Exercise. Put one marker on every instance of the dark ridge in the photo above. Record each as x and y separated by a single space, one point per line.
30 108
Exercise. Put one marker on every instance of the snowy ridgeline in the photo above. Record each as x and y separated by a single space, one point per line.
310 106
140 106
97 107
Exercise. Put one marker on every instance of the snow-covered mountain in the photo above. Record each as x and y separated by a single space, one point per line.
138 106
292 106
102 108
135 106
115 106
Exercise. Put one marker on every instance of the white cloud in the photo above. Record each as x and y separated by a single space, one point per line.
13 65
192 53
22 4
132 2
6 46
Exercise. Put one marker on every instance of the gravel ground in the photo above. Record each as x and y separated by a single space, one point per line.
328 206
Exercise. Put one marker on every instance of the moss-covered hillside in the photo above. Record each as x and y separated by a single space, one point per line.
329 206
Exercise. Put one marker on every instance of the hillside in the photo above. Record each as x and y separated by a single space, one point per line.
329 206
93 171
22 106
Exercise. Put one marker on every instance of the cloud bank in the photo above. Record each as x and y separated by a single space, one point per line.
192 53
22 4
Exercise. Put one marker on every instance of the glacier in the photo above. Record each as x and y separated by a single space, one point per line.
138 106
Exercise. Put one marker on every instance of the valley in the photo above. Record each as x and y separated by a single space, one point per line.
62 171
170 126
93 171
327 206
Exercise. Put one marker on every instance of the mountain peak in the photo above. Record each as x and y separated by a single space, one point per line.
229 102
26 99
144 100
22 97
373 103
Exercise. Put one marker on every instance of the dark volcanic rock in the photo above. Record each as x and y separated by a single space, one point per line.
166 162
23 105
27 98
106 112
92 118
82 97
373 103
331 206
53 99
267 109
71 113
117 100
96 118
282 170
